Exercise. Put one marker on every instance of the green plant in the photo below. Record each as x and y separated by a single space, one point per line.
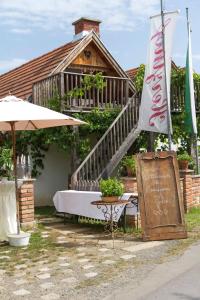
6 164
111 187
128 162
184 156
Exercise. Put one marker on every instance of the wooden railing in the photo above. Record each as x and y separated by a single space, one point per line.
115 93
107 153
178 96
47 88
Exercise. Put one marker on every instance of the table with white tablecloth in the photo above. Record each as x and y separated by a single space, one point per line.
79 203
8 222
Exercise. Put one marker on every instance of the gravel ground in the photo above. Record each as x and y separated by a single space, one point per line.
81 265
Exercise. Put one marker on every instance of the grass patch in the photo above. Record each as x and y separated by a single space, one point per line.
45 211
193 219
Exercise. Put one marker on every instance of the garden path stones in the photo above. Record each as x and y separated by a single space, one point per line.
21 292
103 249
69 280
83 260
86 267
2 272
21 274
63 257
44 236
22 266
43 276
90 275
45 269
127 257
81 254
60 238
51 296
108 262
46 285
4 257
6 252
42 262
80 249
143 246
64 265
20 281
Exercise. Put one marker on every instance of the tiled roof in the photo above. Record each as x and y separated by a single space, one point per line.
131 72
19 81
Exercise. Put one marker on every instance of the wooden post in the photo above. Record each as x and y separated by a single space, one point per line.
151 141
62 91
127 91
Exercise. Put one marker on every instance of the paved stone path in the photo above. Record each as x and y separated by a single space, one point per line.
77 263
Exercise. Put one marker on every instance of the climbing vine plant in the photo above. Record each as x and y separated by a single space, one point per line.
36 143
180 136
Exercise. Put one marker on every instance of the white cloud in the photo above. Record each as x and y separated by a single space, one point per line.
21 30
6 65
50 14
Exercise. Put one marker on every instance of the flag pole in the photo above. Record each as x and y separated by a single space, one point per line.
195 134
166 86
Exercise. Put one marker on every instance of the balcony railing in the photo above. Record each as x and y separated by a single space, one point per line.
115 93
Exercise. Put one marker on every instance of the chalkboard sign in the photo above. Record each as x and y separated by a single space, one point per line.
160 196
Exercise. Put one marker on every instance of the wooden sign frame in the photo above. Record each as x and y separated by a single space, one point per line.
160 196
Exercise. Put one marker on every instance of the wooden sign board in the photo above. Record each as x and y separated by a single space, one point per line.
160 196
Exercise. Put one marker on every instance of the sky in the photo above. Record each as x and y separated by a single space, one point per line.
30 28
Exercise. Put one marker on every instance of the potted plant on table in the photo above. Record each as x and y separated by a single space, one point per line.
183 160
128 164
111 189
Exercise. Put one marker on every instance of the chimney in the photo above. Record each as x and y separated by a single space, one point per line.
83 26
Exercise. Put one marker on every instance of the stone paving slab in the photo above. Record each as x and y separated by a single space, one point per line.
143 246
70 267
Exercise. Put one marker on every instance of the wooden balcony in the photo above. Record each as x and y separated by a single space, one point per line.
115 93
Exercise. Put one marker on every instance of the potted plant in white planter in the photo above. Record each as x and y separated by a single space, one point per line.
111 189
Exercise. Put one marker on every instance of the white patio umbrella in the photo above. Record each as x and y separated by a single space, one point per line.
17 114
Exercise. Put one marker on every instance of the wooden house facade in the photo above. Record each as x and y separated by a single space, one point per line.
63 69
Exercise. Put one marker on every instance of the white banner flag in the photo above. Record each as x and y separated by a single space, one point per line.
154 105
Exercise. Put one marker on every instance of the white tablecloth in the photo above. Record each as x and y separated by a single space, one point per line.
79 203
8 223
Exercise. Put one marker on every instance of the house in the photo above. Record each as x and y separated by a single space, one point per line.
61 70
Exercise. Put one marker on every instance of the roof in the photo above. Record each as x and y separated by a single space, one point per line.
19 80
132 72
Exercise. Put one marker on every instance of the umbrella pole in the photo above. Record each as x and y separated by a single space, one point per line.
12 124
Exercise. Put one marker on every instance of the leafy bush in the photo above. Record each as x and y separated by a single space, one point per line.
184 156
128 162
111 187
6 165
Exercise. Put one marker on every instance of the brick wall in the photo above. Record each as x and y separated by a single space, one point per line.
26 202
195 190
130 184
190 186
